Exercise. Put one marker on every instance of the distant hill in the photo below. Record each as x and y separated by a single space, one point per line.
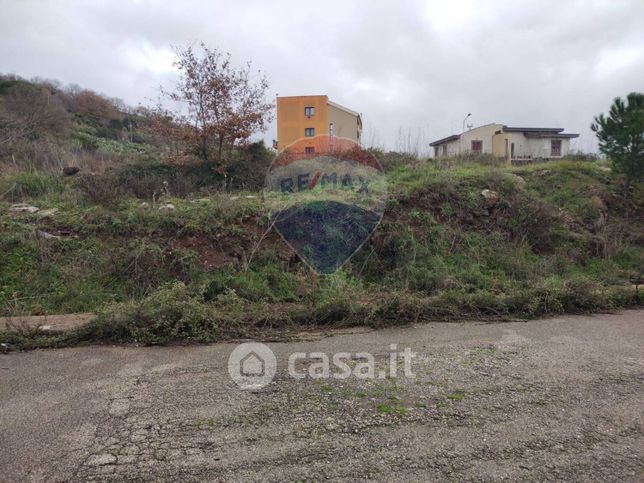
48 126
45 126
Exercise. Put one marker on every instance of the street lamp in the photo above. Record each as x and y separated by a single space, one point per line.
468 115
462 131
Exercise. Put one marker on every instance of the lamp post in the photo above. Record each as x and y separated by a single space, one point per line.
462 131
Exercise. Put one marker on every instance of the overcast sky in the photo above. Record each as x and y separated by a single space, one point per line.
408 66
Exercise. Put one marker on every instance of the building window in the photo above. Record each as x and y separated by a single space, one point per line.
309 150
309 111
477 147
309 132
555 147
444 149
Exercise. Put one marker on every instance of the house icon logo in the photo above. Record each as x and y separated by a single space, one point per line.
252 365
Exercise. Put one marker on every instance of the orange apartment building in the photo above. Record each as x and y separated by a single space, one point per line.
303 118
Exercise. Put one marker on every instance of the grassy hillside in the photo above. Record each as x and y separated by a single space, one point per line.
208 269
51 128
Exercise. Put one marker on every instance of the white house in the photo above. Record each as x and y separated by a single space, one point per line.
511 143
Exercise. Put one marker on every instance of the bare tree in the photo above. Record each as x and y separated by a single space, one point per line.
171 134
222 104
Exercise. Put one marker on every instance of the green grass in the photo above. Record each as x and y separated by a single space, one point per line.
391 409
29 184
438 254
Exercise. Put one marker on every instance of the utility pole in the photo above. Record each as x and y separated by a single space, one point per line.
460 144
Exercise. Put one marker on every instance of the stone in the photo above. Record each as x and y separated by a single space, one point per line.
70 170
167 207
491 198
48 213
144 205
47 236
515 177
23 208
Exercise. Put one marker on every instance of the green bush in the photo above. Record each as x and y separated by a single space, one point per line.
115 124
86 141
266 283
337 298
29 184
107 133
168 314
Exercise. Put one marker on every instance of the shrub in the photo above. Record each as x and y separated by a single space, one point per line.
168 314
115 124
107 133
581 156
29 184
392 159
142 180
469 158
86 141
337 298
264 283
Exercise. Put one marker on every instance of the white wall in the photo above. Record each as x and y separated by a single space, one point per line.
536 147
464 144
482 133
452 149
523 147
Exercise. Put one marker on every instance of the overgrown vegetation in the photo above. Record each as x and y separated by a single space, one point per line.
184 251
207 269
48 127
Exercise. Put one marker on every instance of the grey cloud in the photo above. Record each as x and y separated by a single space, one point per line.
408 66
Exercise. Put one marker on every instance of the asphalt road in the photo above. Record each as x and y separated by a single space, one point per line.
542 400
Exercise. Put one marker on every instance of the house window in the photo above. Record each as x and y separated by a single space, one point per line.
309 150
477 147
309 132
309 111
444 149
555 147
